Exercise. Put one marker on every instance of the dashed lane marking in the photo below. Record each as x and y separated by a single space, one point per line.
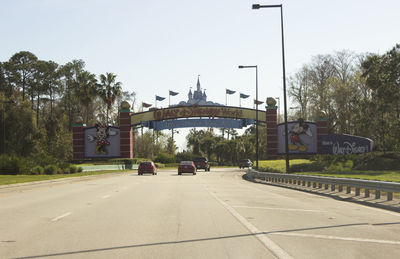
62 216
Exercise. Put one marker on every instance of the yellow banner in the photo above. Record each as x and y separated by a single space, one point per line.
197 111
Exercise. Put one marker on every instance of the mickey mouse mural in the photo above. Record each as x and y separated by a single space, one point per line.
302 137
102 141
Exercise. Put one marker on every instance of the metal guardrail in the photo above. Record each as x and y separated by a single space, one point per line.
333 182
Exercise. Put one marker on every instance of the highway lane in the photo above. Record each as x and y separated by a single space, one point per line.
211 215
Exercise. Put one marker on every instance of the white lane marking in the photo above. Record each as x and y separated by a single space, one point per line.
340 238
106 196
272 208
268 243
62 216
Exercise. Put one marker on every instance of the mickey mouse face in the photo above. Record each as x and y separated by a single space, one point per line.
102 133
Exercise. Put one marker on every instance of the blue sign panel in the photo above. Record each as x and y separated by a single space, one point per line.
345 144
190 123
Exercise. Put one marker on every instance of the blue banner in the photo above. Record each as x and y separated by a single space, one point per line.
192 123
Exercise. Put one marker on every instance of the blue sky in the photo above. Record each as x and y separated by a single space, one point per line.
158 45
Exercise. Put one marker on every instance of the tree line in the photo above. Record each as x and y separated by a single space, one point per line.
359 94
40 100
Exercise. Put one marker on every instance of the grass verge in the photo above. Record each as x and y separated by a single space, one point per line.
388 176
377 175
11 179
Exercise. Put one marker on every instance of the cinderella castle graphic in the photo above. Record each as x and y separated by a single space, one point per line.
198 97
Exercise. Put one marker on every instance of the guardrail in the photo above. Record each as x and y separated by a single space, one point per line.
90 168
332 182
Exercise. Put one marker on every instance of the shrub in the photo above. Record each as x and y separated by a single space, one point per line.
51 169
73 169
13 164
165 158
37 170
80 169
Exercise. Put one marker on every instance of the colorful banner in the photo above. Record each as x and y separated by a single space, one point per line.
197 111
345 144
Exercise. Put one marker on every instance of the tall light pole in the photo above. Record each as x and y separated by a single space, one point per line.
257 6
256 110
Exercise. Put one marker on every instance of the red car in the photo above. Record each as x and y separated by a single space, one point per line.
186 167
147 167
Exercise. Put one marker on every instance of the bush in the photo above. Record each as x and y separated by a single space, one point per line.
51 169
377 161
37 170
80 169
165 158
13 165
73 169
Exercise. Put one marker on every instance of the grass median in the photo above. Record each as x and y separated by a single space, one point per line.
12 179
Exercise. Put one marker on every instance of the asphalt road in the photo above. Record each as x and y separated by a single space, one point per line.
213 214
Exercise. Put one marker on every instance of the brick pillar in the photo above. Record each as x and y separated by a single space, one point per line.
272 132
125 131
78 142
322 129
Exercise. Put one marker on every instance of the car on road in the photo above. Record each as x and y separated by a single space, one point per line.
186 167
245 163
147 167
202 163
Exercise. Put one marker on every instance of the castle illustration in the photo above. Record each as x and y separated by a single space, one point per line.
197 97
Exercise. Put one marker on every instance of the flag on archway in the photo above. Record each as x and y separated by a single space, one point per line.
146 105
244 96
230 91
173 93
159 98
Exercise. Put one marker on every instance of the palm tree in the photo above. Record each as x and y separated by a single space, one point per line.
86 90
109 90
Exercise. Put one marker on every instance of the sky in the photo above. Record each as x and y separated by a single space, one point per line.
160 45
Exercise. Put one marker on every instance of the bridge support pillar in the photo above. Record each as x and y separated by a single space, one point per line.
322 129
125 131
272 132
78 142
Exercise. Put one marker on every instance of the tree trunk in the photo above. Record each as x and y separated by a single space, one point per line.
37 111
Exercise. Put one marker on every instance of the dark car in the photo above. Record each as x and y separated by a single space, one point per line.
245 163
202 163
147 167
186 167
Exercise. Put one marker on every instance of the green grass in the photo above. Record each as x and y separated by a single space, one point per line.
11 179
280 165
384 175
390 176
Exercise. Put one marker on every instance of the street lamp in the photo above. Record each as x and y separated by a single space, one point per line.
257 6
256 110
